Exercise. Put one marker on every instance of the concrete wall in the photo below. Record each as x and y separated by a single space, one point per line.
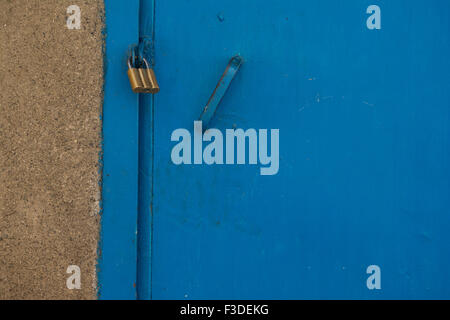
51 82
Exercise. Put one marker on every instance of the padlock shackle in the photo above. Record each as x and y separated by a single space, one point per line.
129 62
145 61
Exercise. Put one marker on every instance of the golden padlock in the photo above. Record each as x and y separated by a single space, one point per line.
142 80
136 82
148 79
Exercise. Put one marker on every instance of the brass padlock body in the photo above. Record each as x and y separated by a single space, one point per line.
137 85
142 80
149 80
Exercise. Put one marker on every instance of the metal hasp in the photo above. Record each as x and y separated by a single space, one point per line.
222 86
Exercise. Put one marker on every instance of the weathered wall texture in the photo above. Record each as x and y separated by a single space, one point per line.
51 82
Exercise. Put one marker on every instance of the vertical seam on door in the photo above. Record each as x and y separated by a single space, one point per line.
146 156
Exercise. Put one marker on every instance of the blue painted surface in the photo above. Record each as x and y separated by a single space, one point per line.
146 37
117 265
364 150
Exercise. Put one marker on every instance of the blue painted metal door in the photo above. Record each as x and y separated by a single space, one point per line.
364 170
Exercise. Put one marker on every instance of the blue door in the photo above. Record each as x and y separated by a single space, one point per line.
359 205
320 169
